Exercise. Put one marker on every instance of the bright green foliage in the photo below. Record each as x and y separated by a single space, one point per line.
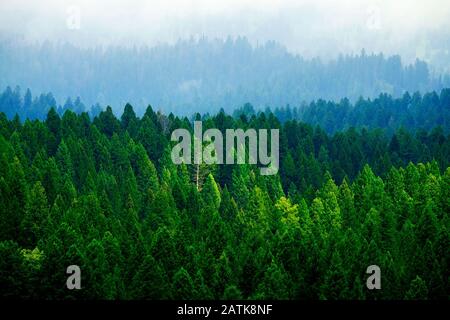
105 195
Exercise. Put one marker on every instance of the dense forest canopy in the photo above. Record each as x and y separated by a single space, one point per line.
103 194
205 75
412 111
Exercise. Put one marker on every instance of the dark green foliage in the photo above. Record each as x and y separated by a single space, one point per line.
105 195
421 113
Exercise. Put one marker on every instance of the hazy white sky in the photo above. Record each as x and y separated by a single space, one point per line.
310 27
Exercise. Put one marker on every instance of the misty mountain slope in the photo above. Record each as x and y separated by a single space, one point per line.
204 75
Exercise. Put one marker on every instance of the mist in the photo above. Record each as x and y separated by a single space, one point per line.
413 29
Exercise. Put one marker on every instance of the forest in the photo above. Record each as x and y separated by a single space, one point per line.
412 111
101 192
206 74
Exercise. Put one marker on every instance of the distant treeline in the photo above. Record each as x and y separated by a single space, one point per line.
205 75
13 102
412 111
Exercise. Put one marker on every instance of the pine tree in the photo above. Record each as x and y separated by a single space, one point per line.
274 284
183 285
36 213
211 193
150 281
417 291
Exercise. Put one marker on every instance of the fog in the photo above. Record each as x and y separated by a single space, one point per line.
311 28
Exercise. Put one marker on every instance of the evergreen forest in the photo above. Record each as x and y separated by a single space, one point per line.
99 190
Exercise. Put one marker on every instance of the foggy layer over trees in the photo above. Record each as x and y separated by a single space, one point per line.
204 75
